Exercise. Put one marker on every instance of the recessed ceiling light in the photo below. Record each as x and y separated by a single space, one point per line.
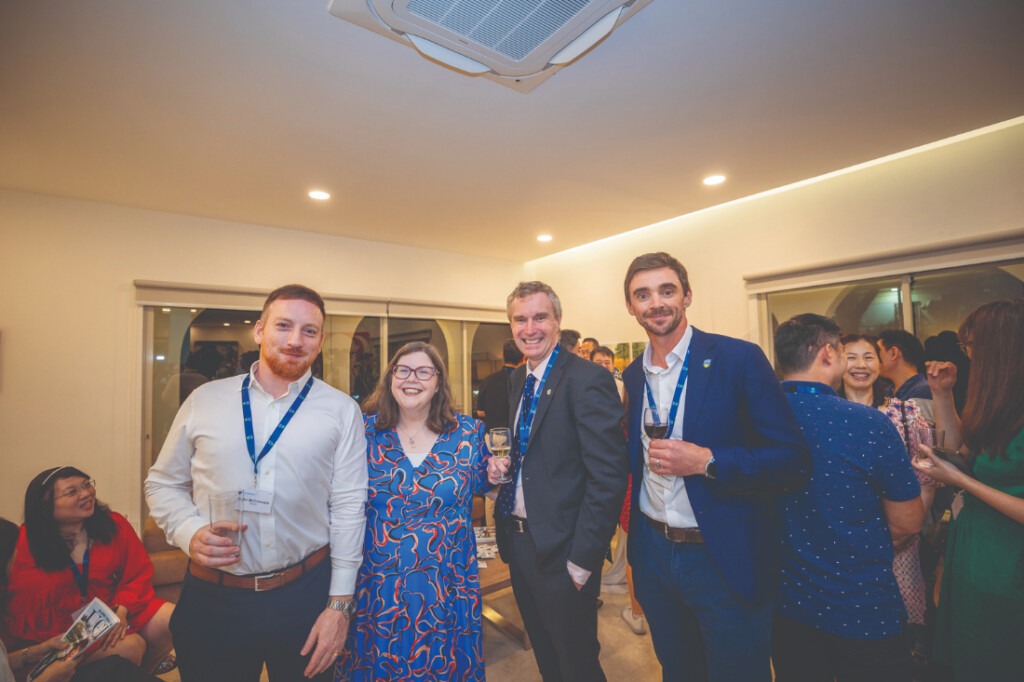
714 180
227 324
248 321
192 310
165 310
319 195
160 357
544 237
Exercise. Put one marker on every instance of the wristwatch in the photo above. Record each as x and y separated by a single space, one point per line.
709 468
347 607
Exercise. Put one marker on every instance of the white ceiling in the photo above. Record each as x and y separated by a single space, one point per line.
234 109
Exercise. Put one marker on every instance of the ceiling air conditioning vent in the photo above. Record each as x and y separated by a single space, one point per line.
518 43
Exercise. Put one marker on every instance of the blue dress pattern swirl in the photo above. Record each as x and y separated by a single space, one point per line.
418 591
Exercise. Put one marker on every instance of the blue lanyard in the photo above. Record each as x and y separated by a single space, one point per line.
526 412
676 397
250 438
82 577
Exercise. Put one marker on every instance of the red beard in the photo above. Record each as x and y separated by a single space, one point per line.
287 366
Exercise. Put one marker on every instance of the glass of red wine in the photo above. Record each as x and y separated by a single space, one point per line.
655 426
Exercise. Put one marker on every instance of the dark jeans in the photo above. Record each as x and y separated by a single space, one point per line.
802 654
700 628
225 633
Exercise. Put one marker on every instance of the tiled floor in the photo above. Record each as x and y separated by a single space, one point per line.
624 656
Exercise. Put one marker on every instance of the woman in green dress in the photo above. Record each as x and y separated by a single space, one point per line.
980 630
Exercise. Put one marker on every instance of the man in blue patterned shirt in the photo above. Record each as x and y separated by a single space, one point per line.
840 615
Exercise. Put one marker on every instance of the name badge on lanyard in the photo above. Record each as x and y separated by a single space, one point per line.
255 500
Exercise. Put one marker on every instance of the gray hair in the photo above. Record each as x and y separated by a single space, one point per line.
524 289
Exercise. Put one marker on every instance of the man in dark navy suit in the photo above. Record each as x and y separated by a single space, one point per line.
569 470
704 529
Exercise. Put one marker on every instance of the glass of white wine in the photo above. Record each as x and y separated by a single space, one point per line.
499 442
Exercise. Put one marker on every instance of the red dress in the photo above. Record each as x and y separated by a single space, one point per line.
120 573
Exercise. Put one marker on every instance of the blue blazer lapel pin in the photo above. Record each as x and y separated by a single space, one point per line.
707 363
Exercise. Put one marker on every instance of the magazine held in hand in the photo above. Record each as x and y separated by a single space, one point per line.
92 622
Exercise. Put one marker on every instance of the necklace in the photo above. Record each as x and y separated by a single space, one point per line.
412 439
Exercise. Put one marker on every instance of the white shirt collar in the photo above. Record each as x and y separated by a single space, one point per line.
674 356
541 366
292 387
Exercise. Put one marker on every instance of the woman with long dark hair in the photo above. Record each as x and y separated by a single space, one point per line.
980 626
72 549
418 613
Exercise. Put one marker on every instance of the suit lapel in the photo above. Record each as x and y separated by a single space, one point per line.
547 392
702 353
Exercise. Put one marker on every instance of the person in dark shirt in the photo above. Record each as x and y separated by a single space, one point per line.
492 396
902 362
840 614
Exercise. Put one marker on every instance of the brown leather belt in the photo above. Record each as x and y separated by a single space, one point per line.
676 534
259 583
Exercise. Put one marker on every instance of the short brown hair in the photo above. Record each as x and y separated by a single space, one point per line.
292 292
442 405
656 261
524 289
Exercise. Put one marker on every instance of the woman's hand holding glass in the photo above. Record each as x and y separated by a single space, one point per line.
499 443
936 467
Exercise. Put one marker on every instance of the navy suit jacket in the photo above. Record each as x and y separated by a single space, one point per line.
575 469
736 407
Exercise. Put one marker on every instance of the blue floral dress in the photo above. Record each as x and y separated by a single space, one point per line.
418 592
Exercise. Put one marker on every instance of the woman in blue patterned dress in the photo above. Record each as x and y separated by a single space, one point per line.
418 592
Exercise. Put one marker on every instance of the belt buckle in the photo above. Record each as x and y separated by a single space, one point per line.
667 529
270 577
517 525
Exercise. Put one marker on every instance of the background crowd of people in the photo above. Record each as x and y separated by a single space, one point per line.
868 481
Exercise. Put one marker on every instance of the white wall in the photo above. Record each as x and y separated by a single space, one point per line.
71 333
974 186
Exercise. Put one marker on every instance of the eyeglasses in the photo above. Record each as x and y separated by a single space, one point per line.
75 491
401 372
965 346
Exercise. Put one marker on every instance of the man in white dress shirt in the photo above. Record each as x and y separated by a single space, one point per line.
294 450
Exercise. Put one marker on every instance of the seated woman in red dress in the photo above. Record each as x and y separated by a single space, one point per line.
72 548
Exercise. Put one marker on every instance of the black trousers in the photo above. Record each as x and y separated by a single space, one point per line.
802 654
560 620
225 633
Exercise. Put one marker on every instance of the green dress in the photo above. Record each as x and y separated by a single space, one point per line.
980 630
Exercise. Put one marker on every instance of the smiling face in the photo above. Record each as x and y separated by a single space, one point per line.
74 500
534 326
658 302
862 366
290 334
412 394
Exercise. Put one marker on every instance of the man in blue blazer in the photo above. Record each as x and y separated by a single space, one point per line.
704 528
